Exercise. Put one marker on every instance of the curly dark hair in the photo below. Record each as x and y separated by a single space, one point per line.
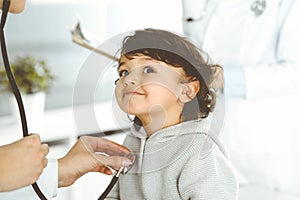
178 51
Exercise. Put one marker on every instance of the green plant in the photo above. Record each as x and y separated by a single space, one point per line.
31 75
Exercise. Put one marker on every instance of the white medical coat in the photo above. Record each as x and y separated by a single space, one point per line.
48 183
261 129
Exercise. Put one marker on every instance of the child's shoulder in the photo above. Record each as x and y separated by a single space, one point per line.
204 145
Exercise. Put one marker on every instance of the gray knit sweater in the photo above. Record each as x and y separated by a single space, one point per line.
178 162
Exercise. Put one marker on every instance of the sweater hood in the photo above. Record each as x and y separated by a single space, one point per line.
165 134
168 143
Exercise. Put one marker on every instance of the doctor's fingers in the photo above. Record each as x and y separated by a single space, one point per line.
33 137
39 155
113 161
45 162
94 144
34 142
103 169
40 150
45 150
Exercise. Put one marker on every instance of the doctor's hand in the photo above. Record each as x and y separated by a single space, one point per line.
16 6
91 154
22 162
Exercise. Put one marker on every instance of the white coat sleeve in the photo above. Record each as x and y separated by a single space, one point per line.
48 181
282 77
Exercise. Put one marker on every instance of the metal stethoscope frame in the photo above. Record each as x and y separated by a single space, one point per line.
5 8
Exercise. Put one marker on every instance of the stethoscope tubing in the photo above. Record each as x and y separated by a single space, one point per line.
9 73
109 187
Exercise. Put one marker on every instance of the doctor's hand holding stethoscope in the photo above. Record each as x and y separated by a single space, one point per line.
23 162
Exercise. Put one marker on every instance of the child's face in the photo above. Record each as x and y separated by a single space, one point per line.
148 86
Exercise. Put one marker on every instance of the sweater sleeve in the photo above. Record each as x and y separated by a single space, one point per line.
208 178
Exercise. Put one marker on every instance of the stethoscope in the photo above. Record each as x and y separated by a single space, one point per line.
257 7
12 82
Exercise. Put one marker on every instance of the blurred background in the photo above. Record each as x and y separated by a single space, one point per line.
43 31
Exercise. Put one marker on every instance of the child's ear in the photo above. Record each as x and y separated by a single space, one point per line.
189 91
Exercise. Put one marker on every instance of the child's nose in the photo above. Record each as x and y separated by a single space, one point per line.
131 79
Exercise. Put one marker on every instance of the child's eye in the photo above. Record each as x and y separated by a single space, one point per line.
123 73
148 70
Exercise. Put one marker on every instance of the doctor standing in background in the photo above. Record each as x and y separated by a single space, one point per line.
257 43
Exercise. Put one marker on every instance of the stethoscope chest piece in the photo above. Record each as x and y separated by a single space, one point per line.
258 7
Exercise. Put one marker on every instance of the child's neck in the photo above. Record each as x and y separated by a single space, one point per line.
153 123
